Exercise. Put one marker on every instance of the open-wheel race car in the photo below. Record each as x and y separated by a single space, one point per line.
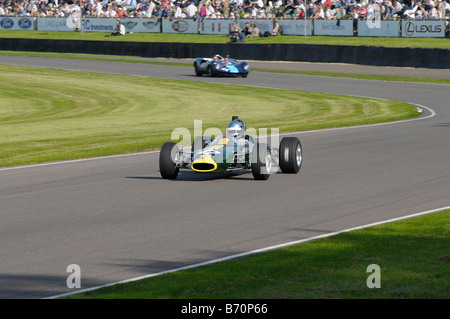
220 66
234 151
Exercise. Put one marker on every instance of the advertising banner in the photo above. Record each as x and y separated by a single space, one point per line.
262 24
423 29
98 25
378 28
70 23
179 26
213 26
16 23
296 27
151 25
333 27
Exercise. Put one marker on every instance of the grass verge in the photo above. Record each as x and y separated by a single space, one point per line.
432 43
413 256
51 115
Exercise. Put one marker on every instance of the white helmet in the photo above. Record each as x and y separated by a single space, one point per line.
236 128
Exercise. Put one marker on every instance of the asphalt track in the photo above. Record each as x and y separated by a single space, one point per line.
117 219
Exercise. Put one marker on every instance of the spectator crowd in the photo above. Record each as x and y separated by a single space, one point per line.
231 9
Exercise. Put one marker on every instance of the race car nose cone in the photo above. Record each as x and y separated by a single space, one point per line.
204 164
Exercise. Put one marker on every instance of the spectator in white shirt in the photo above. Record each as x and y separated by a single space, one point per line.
191 10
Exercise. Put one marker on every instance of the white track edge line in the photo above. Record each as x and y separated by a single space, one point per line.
252 252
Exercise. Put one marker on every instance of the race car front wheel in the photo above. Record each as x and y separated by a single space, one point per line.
167 160
210 71
197 71
261 162
291 156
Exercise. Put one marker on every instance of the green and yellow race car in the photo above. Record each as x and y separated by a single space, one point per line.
234 151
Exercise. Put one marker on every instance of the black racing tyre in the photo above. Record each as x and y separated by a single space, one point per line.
210 71
261 161
291 155
197 71
167 165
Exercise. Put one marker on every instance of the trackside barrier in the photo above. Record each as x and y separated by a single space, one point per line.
366 28
57 24
150 25
180 26
378 28
334 27
296 27
428 28
367 55
17 23
220 26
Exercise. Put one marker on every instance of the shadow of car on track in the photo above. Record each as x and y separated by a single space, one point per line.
442 124
189 176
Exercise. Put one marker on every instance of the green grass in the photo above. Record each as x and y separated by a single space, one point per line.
413 256
441 43
51 115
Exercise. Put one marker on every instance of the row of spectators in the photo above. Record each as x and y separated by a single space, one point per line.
231 9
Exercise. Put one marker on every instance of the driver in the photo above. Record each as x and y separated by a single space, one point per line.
236 129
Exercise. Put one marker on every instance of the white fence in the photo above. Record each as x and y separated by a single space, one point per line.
333 27
57 24
296 27
422 29
378 28
16 23
365 28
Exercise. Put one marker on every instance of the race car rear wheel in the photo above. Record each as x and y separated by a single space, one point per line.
167 160
291 156
261 161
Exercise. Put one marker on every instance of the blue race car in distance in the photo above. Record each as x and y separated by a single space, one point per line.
219 66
